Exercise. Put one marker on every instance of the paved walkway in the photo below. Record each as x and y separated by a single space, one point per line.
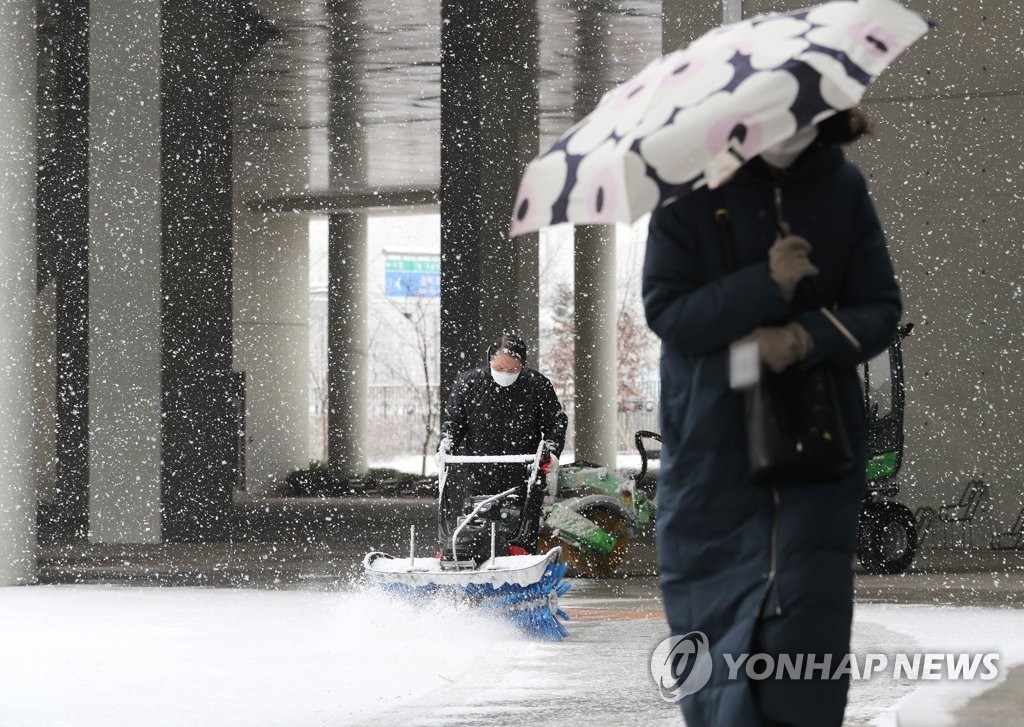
1001 706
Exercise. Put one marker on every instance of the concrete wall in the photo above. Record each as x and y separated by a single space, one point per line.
17 290
944 168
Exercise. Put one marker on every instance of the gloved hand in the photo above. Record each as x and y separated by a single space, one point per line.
782 346
789 262
548 461
444 446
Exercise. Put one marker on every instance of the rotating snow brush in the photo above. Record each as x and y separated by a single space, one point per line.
533 607
525 594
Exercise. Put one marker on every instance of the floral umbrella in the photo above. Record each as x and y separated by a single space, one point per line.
693 117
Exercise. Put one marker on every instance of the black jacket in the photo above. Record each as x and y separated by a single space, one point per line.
715 526
483 418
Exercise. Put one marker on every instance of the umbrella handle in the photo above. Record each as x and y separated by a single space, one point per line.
780 221
807 296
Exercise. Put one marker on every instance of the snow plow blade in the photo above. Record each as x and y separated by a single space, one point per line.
521 588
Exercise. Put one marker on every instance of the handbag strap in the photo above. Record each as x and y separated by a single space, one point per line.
724 229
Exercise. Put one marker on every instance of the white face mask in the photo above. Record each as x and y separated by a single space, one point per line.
502 378
785 152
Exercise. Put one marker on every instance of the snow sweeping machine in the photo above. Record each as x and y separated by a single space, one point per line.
482 560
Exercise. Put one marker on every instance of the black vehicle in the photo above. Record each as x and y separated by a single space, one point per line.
887 536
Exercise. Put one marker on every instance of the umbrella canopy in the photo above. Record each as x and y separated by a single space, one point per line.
693 117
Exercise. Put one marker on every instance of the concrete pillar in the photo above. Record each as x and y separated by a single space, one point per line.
510 139
124 271
489 102
347 331
62 216
683 21
347 344
45 403
17 290
595 346
596 360
198 439
271 304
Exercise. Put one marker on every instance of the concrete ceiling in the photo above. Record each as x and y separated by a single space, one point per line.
285 87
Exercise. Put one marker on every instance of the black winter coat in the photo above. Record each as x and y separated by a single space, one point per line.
483 418
715 526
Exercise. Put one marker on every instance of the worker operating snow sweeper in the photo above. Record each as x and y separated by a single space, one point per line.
503 430
504 408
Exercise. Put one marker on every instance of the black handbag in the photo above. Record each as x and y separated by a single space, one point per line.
794 423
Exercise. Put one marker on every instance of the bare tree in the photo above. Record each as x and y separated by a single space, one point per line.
561 339
635 349
633 346
318 380
318 391
422 321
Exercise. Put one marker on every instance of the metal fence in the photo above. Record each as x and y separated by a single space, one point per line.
397 420
399 402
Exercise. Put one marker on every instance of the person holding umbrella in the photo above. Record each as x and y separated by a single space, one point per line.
761 232
759 569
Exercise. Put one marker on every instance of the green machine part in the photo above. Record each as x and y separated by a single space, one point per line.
596 479
642 507
882 466
573 480
568 523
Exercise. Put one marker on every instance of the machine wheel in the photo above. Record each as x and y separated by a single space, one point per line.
597 565
886 537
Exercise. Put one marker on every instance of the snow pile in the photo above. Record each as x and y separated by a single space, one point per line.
937 630
81 655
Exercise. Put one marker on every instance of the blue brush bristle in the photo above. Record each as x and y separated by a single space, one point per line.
525 606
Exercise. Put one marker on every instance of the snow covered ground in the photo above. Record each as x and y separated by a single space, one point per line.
95 655
884 628
413 463
88 656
